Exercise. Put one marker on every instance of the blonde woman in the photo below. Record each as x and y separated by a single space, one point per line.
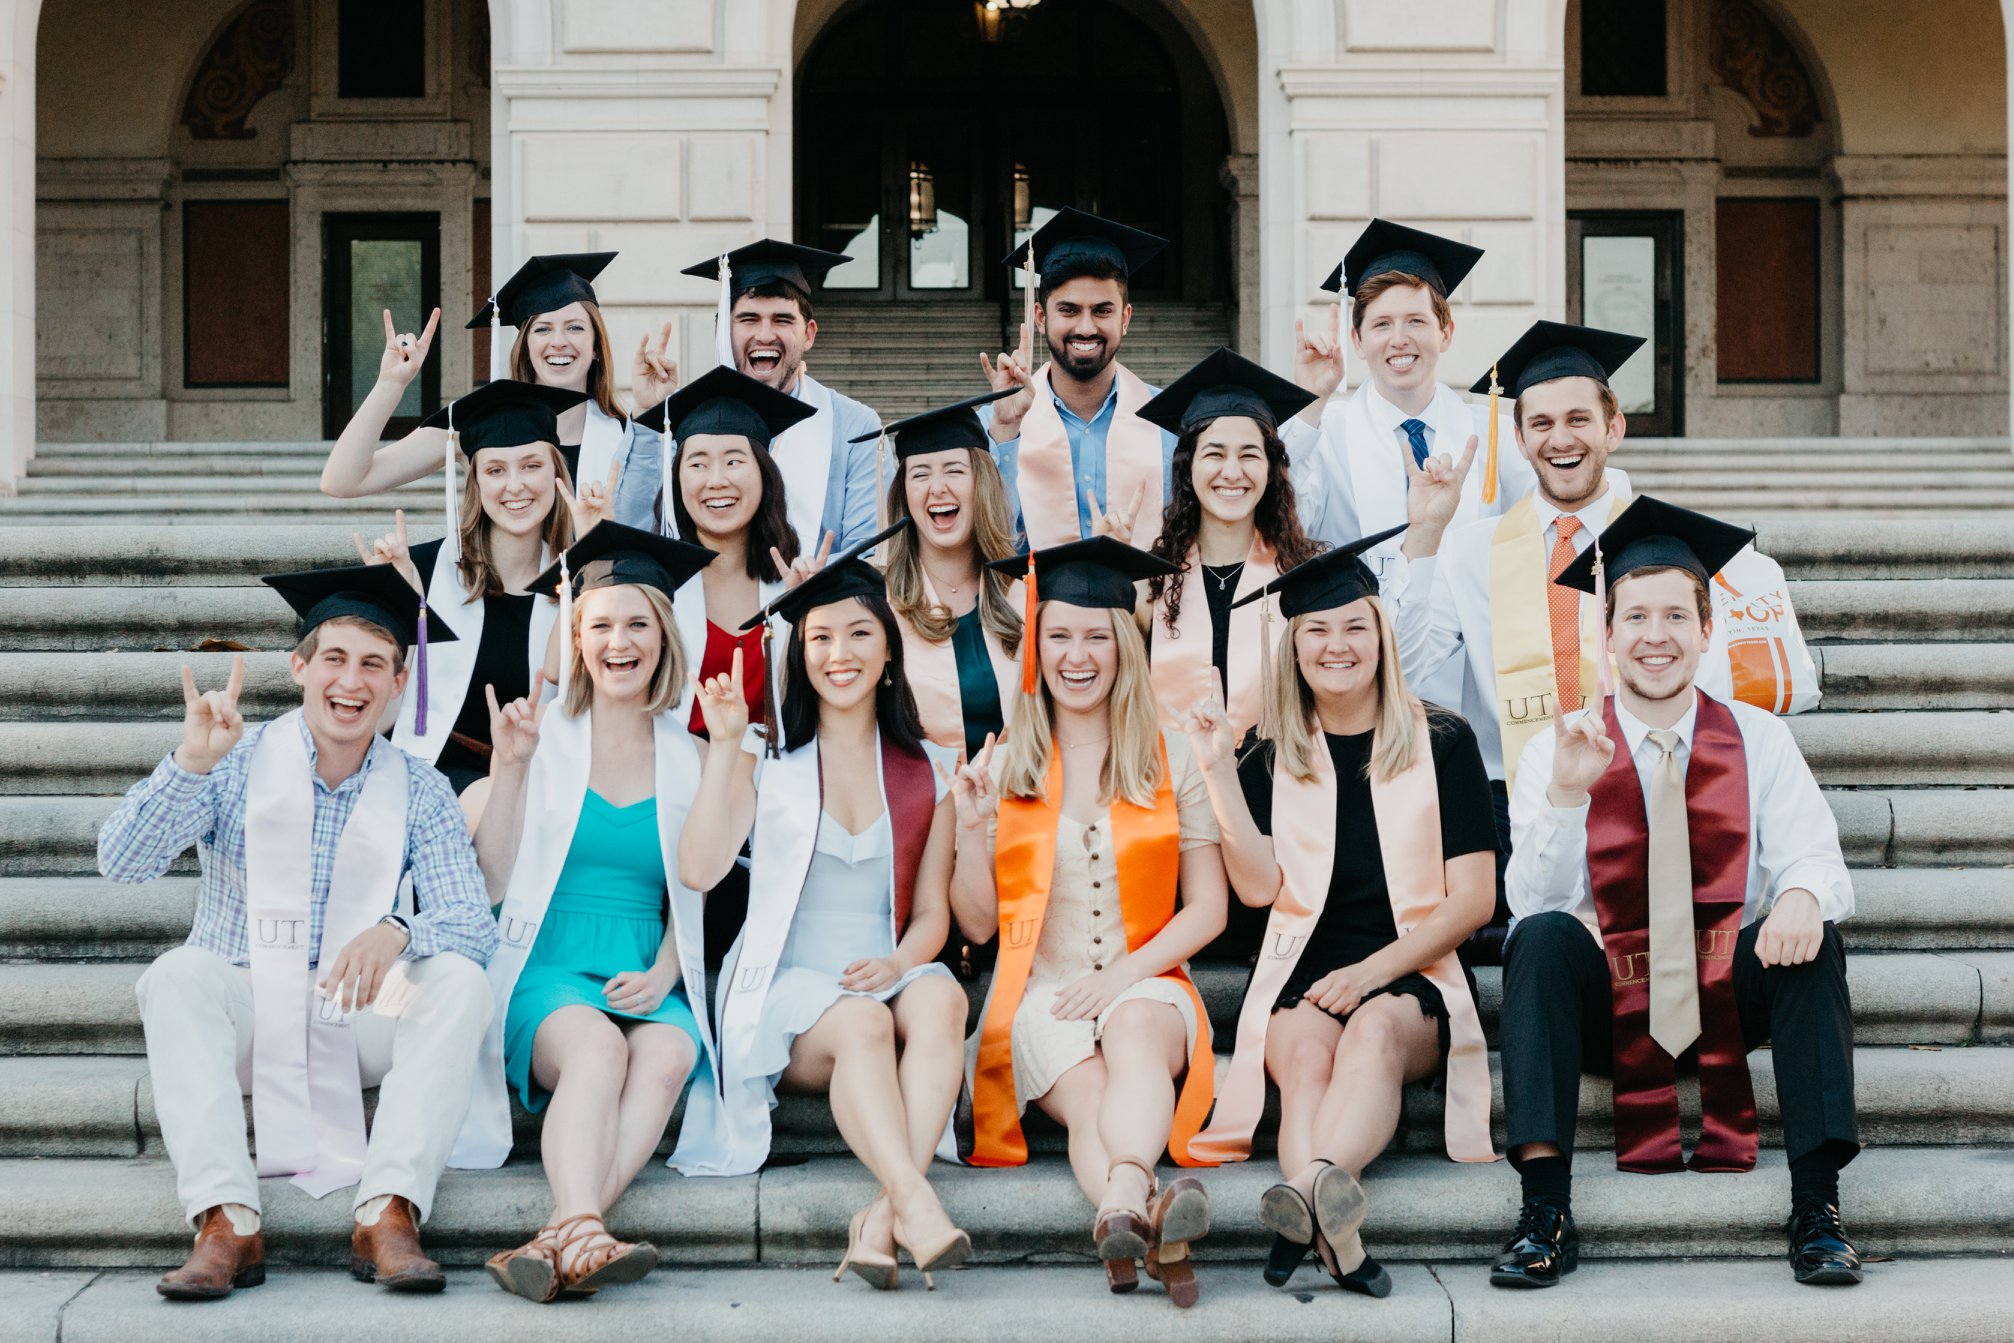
1074 839
1364 826
599 981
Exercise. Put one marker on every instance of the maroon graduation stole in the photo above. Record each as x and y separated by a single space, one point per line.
1618 855
911 787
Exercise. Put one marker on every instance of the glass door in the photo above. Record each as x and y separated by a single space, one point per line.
1623 275
371 263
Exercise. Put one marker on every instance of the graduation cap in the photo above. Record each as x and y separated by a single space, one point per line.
1097 574
1225 383
1333 578
939 430
543 284
845 575
378 593
1551 350
505 414
1384 247
769 261
612 554
1653 533
725 401
1074 238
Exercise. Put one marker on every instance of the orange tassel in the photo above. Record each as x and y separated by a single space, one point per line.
1490 461
1028 653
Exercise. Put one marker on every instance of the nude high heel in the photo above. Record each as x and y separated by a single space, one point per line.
878 1270
948 1249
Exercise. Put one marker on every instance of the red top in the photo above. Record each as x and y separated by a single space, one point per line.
718 660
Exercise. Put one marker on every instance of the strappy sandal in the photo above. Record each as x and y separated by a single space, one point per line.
1122 1234
1291 1218
877 1270
948 1250
607 1265
1180 1213
532 1269
1340 1207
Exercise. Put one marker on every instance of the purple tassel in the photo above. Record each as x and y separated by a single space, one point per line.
420 675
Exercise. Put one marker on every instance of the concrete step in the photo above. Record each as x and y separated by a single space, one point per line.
254 487
1858 677
228 501
103 1106
302 465
1924 1301
55 687
1942 610
1939 477
200 553
1888 501
1916 1201
1901 997
1899 448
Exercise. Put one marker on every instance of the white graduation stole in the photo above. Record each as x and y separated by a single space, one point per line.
307 1095
803 453
451 665
554 794
603 438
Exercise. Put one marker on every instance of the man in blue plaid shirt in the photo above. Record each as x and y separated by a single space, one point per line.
408 988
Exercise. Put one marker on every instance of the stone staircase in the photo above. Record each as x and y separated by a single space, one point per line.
1912 618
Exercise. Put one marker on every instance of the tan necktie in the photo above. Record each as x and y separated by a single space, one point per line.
1674 960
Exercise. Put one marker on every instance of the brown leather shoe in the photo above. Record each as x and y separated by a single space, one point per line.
389 1253
222 1260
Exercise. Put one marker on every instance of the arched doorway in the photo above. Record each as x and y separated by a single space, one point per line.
931 138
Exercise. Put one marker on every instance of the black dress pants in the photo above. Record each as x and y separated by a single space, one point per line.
1557 1022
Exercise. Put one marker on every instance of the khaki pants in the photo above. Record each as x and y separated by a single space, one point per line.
197 1010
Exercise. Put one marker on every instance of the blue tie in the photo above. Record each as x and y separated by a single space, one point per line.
1416 434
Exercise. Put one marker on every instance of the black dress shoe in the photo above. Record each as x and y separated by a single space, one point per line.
1285 1256
1820 1253
1368 1278
1545 1245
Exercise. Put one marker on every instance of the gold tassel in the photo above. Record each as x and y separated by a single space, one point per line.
1269 726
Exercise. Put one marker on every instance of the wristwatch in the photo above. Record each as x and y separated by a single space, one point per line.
399 923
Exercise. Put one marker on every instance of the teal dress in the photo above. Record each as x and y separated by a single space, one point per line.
606 916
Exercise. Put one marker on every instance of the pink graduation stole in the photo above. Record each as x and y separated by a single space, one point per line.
1048 485
1304 835
1180 658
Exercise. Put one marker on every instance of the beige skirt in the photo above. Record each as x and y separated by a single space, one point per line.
1046 1047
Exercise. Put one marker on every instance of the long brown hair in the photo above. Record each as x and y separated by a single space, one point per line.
1277 516
478 569
1395 741
600 377
992 537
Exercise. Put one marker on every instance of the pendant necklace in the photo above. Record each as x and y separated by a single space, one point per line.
1223 579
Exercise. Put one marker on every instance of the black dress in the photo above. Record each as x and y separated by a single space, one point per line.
1356 921
500 661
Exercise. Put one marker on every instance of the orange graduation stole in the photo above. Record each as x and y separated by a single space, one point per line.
1408 815
1047 479
1149 852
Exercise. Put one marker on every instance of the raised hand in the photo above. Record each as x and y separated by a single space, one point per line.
654 375
1118 526
723 704
973 796
595 502
1581 755
391 548
1318 359
514 726
1012 370
804 566
405 352
211 723
1209 730
1434 489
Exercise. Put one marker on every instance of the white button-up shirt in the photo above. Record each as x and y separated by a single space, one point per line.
1793 838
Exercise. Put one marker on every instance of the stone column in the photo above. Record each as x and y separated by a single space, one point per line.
17 238
1240 179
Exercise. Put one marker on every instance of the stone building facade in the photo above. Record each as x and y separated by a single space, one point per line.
1803 201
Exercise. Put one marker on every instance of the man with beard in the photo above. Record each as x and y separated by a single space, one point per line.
827 460
1678 885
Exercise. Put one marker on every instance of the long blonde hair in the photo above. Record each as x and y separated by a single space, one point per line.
667 683
1395 741
478 569
992 537
1132 766
600 378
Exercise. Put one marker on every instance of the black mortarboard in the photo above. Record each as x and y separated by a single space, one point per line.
1097 573
378 593
506 414
612 554
844 575
1073 237
1652 532
1551 350
1225 383
1384 247
769 261
939 430
544 284
726 401
1331 579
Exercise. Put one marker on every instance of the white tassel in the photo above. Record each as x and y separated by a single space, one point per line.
723 317
667 523
448 485
565 629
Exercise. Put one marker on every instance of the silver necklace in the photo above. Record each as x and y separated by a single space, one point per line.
1223 579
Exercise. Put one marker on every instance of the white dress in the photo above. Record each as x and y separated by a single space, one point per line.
846 914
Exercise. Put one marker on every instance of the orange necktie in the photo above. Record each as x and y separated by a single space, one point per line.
1563 605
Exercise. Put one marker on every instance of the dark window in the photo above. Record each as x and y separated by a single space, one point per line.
1766 289
1622 48
381 49
236 326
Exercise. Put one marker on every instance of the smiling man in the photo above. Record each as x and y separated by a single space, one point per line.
1678 885
304 977
827 459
